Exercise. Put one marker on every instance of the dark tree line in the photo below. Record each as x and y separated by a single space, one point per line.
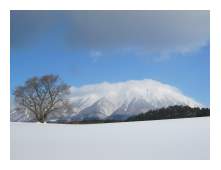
172 112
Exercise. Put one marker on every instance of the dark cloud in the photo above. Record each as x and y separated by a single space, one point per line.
27 27
161 31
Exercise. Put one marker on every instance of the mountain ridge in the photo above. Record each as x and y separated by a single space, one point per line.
129 98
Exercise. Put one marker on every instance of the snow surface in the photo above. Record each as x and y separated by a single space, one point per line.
162 139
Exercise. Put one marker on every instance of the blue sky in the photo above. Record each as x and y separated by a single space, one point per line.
91 47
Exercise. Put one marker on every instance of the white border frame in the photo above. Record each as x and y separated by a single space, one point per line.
215 83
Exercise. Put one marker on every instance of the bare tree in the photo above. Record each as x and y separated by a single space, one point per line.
42 96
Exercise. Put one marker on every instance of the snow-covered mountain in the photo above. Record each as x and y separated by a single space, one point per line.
123 99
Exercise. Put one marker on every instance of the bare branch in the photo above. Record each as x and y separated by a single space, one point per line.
42 96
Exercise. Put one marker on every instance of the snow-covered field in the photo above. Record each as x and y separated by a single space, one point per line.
162 139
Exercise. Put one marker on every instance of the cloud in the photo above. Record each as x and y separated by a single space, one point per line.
150 90
95 55
26 27
149 32
161 31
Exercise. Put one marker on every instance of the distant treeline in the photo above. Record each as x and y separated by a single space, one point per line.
171 112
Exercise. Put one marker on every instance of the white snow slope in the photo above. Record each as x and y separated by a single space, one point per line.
162 139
